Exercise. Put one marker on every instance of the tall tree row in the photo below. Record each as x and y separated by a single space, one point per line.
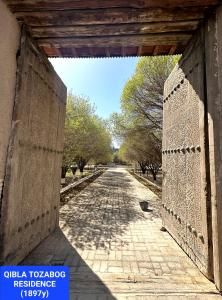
86 135
139 125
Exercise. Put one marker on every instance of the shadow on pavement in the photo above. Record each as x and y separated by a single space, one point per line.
100 216
56 250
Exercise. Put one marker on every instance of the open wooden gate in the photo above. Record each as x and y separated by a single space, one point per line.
185 205
30 200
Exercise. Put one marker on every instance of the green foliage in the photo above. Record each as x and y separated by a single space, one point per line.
86 135
140 146
117 158
139 125
142 97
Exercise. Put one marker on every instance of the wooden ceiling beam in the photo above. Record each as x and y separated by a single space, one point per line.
80 28
156 50
110 16
115 41
91 52
43 5
74 52
50 51
172 50
140 49
107 52
104 30
101 52
56 51
123 51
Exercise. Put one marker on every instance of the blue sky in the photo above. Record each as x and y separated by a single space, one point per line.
102 80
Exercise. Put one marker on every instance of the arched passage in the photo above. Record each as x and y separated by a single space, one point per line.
114 28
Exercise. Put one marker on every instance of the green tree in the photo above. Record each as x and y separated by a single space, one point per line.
139 125
117 158
142 97
86 135
143 148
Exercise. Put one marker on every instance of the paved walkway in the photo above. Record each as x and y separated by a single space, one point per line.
117 251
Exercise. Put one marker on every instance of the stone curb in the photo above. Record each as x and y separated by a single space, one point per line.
77 183
149 182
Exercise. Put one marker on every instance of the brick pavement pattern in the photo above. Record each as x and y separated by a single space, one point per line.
116 250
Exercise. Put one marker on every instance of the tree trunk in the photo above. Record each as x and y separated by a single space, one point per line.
154 174
74 169
142 167
81 169
81 164
64 171
143 171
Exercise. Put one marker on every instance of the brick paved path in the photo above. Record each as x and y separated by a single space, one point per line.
117 251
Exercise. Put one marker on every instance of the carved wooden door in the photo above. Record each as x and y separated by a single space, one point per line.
31 189
185 204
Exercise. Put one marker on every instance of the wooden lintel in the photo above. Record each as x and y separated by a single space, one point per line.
114 41
114 29
110 16
43 5
106 51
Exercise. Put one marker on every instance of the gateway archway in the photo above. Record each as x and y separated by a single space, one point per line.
32 117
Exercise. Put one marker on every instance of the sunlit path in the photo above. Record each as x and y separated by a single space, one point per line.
117 251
